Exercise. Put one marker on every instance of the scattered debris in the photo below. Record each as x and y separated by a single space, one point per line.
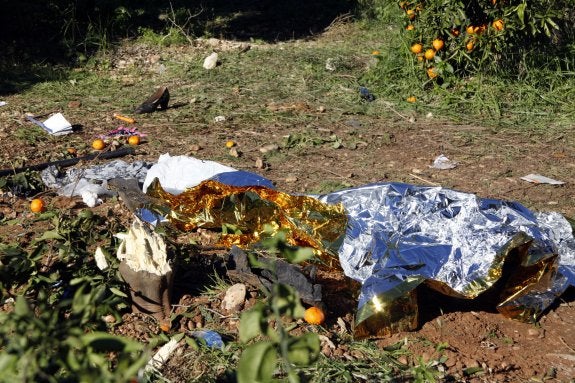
210 337
100 259
127 120
219 118
145 267
330 64
539 179
365 94
69 162
56 124
159 99
162 355
443 163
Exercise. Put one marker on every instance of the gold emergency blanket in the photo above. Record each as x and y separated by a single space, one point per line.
242 211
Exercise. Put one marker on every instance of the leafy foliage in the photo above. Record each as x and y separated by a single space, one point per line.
487 36
54 331
266 319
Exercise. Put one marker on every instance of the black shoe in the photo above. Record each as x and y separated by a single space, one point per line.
159 98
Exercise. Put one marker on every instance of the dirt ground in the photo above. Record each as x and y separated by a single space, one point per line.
396 149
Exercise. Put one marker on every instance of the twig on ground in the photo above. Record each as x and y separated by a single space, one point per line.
424 180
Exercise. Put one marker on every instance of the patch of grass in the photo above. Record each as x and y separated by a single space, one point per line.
329 186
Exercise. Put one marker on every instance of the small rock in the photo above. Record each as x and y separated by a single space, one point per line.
330 64
234 298
219 118
109 319
242 48
211 61
291 178
533 333
471 363
403 360
235 153
321 109
260 163
195 147
325 350
269 148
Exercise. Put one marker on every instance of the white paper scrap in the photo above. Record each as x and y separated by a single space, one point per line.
2 103
539 179
56 124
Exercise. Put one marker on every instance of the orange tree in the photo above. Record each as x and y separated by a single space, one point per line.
456 37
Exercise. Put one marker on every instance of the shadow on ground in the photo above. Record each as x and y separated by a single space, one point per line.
38 36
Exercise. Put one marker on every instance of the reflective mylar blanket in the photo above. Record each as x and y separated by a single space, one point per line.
393 237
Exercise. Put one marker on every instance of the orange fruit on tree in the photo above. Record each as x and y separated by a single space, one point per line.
432 73
411 99
471 30
455 32
37 205
314 315
98 144
498 25
410 13
429 54
134 140
410 27
438 44
470 45
420 57
416 48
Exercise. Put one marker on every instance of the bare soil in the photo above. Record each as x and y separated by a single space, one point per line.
387 148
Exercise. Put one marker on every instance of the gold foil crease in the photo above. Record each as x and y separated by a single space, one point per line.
246 209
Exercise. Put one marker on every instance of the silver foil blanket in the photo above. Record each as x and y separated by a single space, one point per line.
400 236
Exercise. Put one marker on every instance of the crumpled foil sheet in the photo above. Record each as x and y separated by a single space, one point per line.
246 210
400 236
393 237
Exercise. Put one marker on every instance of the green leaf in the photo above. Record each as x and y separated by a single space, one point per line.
304 350
21 307
102 341
521 12
298 255
117 292
251 323
257 363
51 234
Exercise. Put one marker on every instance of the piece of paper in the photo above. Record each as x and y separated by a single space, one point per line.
539 179
55 125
